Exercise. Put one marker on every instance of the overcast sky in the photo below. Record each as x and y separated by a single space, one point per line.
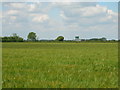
49 20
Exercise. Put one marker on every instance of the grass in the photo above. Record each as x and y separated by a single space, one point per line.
60 65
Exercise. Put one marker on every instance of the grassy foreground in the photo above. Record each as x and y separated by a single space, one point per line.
60 65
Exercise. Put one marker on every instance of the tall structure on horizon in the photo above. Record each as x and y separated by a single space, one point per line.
77 38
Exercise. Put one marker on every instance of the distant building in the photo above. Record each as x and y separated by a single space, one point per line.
77 38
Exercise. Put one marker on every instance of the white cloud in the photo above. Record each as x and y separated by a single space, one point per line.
63 15
110 12
17 5
40 18
73 18
12 12
94 10
32 7
13 17
88 15
1 15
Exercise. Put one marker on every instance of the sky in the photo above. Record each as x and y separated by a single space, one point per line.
52 19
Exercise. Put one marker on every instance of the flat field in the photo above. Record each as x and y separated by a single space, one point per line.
60 65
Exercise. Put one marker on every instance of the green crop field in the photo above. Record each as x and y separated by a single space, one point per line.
60 65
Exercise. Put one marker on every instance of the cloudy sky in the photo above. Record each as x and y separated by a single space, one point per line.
50 19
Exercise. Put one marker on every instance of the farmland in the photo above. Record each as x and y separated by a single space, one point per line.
60 65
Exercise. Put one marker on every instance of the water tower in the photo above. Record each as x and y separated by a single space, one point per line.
77 38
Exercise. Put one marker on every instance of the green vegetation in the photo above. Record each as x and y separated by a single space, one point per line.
32 36
60 38
60 65
13 38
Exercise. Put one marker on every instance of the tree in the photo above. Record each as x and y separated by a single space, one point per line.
15 35
13 38
60 38
32 36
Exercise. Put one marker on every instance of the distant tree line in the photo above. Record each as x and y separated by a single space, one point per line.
13 38
32 37
95 39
